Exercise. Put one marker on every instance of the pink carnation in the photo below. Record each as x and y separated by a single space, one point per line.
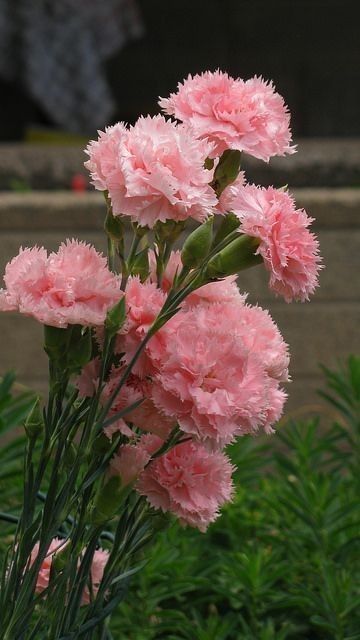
143 304
290 251
146 416
188 481
129 462
218 374
72 286
103 155
233 114
227 197
161 174
88 380
99 563
56 546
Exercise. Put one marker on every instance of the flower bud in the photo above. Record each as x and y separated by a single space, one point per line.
230 223
107 500
34 423
115 317
197 245
227 170
238 255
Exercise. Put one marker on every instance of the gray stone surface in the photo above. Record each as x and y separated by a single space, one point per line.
319 162
323 330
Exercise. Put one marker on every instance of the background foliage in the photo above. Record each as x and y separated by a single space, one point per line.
282 561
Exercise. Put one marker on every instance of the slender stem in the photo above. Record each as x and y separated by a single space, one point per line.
111 245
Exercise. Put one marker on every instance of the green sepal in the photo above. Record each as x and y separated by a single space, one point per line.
107 501
238 255
229 223
197 244
115 317
34 423
227 170
170 230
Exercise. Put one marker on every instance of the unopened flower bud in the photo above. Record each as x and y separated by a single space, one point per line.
197 245
115 317
238 255
107 500
34 423
230 223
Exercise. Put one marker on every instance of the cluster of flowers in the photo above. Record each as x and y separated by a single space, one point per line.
58 546
215 369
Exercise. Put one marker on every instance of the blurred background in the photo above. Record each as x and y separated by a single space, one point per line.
68 68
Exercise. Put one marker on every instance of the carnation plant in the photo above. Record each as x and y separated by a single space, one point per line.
156 360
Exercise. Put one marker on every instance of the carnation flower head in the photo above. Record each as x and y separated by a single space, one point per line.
103 153
128 462
57 546
143 304
233 113
72 286
188 481
289 250
161 174
145 416
214 378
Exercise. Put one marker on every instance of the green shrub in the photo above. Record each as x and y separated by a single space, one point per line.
283 560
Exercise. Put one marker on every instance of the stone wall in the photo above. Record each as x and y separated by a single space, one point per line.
324 330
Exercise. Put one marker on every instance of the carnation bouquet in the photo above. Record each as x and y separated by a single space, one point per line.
156 360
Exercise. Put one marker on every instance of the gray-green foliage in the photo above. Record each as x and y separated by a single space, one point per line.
283 560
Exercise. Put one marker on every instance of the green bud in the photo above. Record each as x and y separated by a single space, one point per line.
115 317
107 501
197 245
236 256
140 266
34 423
227 170
114 226
229 223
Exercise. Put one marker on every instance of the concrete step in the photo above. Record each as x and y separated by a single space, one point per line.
323 330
